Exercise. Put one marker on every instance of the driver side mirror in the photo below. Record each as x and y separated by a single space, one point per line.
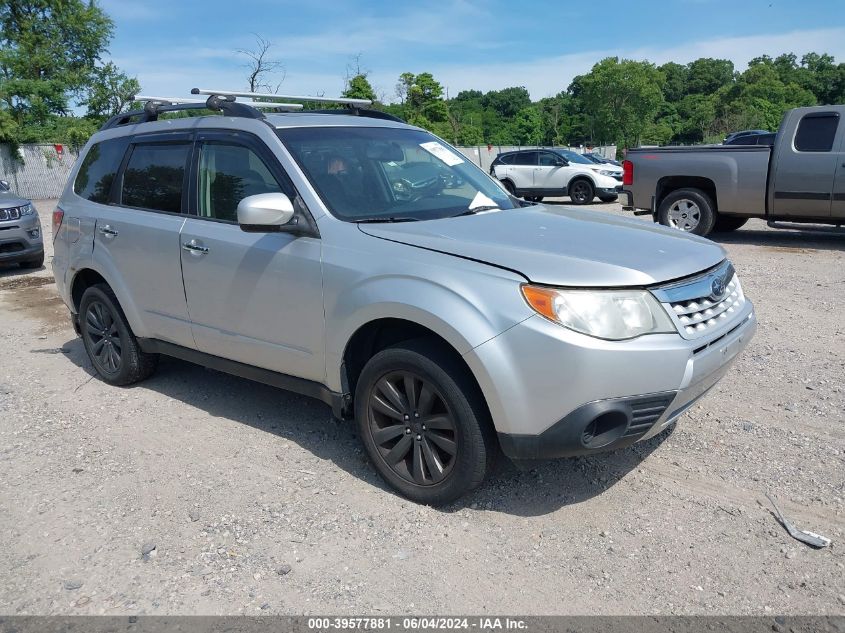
562 162
266 213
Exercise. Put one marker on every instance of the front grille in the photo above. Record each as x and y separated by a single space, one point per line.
699 316
10 214
705 303
646 411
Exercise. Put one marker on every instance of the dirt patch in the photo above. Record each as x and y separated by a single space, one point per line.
16 283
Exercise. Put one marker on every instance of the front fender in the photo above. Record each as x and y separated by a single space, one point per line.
466 310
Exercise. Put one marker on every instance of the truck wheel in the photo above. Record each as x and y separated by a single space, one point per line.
423 422
581 192
726 223
109 341
689 210
607 199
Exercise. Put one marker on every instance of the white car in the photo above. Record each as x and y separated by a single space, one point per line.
534 173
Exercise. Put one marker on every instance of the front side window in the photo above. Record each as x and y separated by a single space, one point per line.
548 159
154 177
816 132
98 170
228 174
391 174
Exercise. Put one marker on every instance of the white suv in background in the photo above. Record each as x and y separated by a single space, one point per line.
534 173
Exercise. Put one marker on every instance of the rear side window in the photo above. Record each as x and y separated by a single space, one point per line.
816 132
526 158
507 159
154 177
98 170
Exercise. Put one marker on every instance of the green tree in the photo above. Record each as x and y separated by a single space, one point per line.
50 58
675 86
622 98
508 102
706 75
359 87
527 127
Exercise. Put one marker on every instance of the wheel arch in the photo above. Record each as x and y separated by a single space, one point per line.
88 276
669 184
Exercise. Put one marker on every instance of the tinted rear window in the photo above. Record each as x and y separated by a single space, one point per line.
154 177
526 158
816 132
99 167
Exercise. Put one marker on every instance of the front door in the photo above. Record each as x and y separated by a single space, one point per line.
255 298
806 166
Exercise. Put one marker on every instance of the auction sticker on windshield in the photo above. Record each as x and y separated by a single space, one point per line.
438 151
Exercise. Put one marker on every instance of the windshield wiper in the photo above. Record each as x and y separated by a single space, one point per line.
382 218
475 210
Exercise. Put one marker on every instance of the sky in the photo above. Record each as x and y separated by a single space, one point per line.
173 46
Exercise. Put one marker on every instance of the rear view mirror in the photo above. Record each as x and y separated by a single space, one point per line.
385 152
264 212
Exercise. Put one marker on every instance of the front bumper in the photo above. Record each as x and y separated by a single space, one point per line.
21 239
556 393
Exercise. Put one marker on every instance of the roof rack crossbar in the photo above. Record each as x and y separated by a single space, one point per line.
254 104
268 95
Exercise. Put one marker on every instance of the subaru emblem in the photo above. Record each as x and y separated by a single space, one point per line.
718 287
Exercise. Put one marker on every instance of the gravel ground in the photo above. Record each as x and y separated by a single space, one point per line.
197 492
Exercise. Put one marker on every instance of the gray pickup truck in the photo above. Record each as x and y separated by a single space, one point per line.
719 187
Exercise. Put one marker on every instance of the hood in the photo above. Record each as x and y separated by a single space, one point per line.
563 246
9 199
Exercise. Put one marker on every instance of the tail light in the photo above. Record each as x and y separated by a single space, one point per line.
58 216
627 172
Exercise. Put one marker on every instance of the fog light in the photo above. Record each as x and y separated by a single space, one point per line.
34 233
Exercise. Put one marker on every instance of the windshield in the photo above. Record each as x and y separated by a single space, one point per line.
391 174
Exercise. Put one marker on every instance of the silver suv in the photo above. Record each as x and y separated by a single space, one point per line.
21 241
348 256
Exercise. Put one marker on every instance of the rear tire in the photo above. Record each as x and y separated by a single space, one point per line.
689 210
433 445
109 341
726 223
508 185
607 199
581 191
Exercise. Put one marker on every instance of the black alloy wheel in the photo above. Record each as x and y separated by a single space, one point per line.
412 428
103 338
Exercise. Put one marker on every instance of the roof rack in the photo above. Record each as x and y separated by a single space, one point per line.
225 102
268 95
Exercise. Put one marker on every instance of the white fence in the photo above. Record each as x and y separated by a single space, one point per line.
37 171
40 171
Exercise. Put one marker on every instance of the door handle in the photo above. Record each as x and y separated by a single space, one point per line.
108 231
194 247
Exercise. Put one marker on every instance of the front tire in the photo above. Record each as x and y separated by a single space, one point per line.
581 192
109 341
689 210
423 422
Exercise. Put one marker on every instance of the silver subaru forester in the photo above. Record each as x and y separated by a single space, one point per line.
346 255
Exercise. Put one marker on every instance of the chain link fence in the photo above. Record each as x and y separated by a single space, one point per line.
38 171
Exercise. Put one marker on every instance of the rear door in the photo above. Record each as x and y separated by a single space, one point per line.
255 298
136 237
806 166
521 171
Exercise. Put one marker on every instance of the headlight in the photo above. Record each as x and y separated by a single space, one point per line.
607 314
607 172
27 209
